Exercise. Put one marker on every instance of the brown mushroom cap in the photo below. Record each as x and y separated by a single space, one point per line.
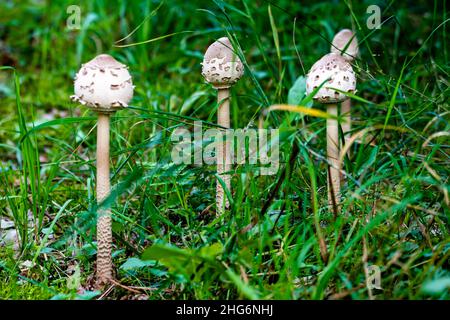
221 66
104 61
340 41
337 73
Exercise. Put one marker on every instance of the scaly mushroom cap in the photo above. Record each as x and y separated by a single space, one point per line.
340 75
103 84
340 41
221 66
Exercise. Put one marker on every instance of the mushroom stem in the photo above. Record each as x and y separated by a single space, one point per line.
223 150
104 233
333 156
346 115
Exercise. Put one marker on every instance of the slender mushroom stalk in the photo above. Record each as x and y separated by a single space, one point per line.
334 181
222 68
223 149
346 112
336 73
104 85
345 44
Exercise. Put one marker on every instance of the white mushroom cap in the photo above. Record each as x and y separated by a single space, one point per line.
340 41
103 84
340 75
221 66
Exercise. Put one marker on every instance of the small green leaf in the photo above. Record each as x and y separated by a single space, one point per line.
136 263
158 251
211 251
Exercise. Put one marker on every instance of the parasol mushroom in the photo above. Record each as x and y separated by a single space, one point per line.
222 68
104 85
336 73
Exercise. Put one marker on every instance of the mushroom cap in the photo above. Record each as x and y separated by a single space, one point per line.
339 42
103 84
221 67
340 75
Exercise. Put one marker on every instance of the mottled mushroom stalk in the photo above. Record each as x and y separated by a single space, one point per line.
222 68
346 44
104 85
337 73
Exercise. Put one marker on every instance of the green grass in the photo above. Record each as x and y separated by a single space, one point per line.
279 240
